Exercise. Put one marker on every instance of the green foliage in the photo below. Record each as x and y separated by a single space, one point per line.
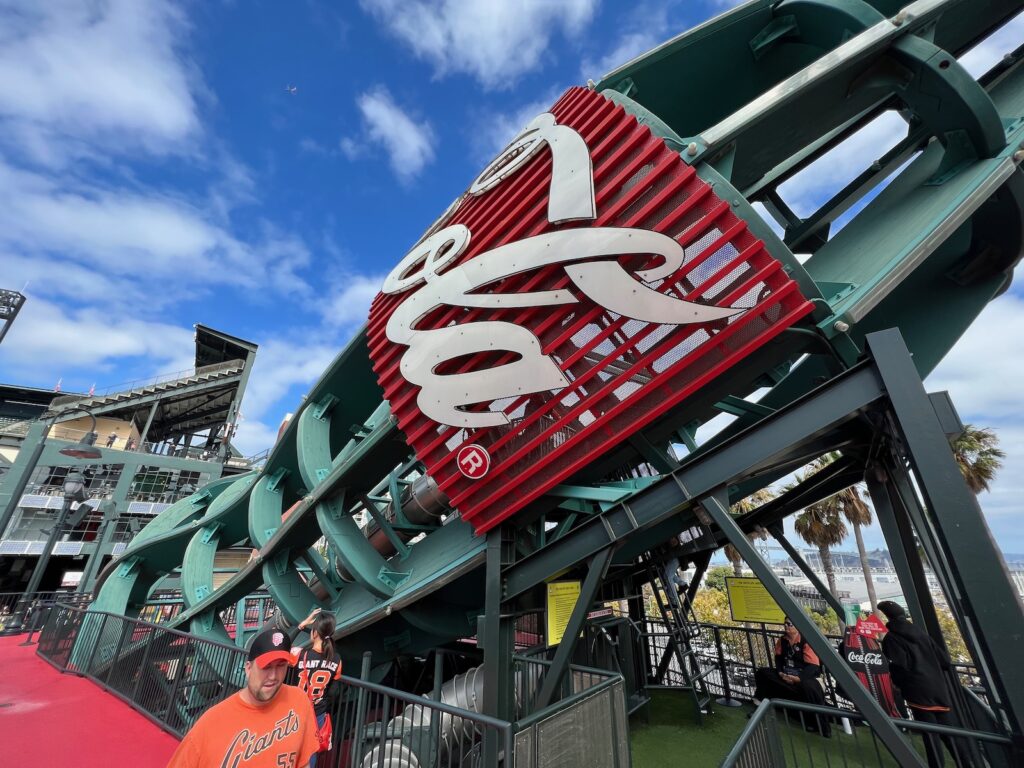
978 455
951 633
711 606
827 622
715 577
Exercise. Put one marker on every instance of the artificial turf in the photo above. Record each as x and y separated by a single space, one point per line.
664 734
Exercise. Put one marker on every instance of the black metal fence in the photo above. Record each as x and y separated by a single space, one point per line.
734 653
783 734
27 611
169 676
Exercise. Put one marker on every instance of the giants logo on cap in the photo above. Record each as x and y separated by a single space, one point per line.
278 638
586 283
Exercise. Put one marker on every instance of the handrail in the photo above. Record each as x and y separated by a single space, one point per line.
412 698
747 734
145 623
134 384
754 740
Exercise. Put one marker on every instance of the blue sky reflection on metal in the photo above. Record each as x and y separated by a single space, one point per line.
261 172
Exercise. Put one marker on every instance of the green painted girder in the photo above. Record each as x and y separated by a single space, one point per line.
125 583
224 524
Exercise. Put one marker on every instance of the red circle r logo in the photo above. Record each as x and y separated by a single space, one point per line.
473 461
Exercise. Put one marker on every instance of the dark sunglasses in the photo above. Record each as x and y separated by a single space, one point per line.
788 623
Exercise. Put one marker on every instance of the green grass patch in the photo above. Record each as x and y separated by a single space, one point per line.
665 735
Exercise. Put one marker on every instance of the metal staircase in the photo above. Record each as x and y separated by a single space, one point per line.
682 628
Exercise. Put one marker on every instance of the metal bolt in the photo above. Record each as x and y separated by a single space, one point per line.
691 150
841 325
1018 156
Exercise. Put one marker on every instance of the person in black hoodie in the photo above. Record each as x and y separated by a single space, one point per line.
918 666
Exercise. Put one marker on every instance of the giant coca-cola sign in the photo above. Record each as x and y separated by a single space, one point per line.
587 282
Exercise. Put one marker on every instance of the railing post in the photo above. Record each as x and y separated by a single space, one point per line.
771 726
179 673
126 628
360 733
726 700
96 644
142 666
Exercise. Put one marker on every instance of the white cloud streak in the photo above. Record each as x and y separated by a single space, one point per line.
408 143
80 74
496 43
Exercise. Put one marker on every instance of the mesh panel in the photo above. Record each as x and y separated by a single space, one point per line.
623 373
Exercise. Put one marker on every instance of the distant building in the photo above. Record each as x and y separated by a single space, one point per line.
167 438
1018 581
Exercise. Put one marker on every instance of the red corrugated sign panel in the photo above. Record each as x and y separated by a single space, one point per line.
585 284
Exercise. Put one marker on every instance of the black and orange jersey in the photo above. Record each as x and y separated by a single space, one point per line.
317 674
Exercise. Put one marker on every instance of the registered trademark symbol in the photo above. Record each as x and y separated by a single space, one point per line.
474 461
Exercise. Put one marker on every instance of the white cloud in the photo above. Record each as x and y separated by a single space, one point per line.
980 374
494 42
49 339
80 74
628 48
988 356
989 51
494 130
282 363
408 143
350 304
808 189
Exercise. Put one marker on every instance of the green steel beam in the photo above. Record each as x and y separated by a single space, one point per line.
596 570
763 444
985 590
717 506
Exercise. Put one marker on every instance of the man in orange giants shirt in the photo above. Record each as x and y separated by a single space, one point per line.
264 725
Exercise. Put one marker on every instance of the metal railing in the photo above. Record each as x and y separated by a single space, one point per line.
528 675
27 611
375 726
735 653
169 676
784 734
134 385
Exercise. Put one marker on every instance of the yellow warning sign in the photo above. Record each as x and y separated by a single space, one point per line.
750 601
562 597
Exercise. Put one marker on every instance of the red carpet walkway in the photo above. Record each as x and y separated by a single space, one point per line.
49 719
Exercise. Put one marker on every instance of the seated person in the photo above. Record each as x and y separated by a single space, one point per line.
794 677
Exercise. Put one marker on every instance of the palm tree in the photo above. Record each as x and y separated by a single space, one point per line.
821 526
742 507
978 455
851 505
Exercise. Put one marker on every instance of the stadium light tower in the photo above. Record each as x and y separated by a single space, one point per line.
10 306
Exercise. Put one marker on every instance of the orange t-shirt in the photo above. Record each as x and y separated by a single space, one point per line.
234 734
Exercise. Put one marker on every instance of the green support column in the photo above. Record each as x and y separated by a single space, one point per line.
990 602
92 565
498 633
588 591
717 505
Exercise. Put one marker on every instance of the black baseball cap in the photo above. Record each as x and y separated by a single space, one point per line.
269 646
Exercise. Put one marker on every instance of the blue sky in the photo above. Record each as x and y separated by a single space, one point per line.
157 172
